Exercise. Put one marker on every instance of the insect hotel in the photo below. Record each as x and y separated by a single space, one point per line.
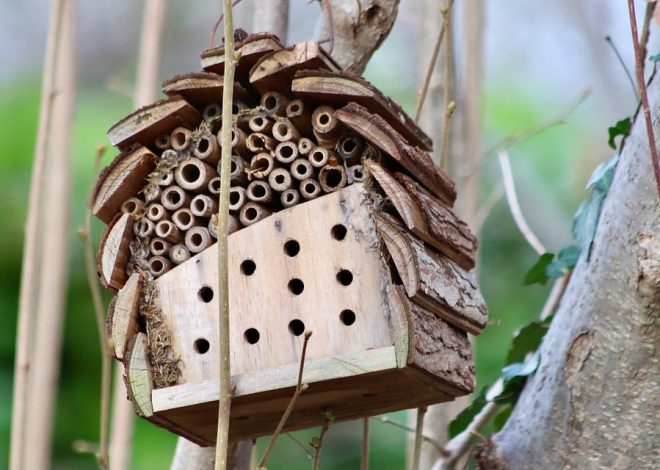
340 224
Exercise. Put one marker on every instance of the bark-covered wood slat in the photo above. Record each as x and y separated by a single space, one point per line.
339 87
250 50
378 132
275 71
122 321
433 281
202 88
148 122
114 252
121 180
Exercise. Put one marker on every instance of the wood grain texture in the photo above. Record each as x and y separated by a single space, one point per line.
275 71
433 281
201 88
148 122
336 88
114 252
122 316
251 50
121 180
138 376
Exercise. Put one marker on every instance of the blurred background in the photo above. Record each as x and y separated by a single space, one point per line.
540 57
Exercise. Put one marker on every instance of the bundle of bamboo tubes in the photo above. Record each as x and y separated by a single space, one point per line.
283 153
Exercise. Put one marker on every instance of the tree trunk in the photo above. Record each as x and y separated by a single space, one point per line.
593 403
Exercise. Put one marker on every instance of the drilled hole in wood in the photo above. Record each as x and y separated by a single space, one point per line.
248 267
252 335
206 294
296 327
339 232
201 346
292 248
347 317
345 277
296 286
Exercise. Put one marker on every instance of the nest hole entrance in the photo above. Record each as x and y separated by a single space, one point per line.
251 214
339 232
201 346
234 197
248 267
347 317
270 103
286 151
180 139
333 178
296 286
199 205
205 294
259 191
349 145
292 248
191 173
296 327
203 145
345 277
252 335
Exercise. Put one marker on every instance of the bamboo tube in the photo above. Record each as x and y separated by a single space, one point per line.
233 225
206 148
181 138
284 130
168 231
183 219
280 179
159 265
327 128
174 198
194 175
163 142
299 116
212 116
238 167
286 152
319 157
305 146
259 191
179 253
259 142
156 212
261 166
214 185
350 148
301 169
309 189
356 174
144 228
151 192
132 206
251 213
159 247
237 198
332 178
260 124
274 103
239 141
166 179
290 197
198 239
203 206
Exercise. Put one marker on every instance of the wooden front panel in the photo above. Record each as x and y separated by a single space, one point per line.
267 300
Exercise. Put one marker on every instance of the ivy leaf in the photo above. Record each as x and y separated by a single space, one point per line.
655 58
621 128
537 273
586 218
502 417
527 340
465 417
566 260
514 377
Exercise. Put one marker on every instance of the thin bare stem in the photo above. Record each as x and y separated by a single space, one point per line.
429 71
218 23
318 444
427 439
646 28
331 25
300 388
304 448
30 274
419 428
514 205
364 460
449 105
224 405
639 68
623 65
487 207
85 235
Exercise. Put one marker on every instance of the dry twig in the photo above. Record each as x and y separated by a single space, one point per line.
450 105
419 428
364 460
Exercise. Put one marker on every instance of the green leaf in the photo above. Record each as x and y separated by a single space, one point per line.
621 128
527 340
586 218
655 58
502 417
566 260
464 418
514 377
536 274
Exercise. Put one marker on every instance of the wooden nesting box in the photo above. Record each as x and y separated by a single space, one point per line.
341 226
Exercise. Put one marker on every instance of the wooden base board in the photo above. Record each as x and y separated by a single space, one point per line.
353 393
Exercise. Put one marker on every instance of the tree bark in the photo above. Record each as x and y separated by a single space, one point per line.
358 29
593 403
272 16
